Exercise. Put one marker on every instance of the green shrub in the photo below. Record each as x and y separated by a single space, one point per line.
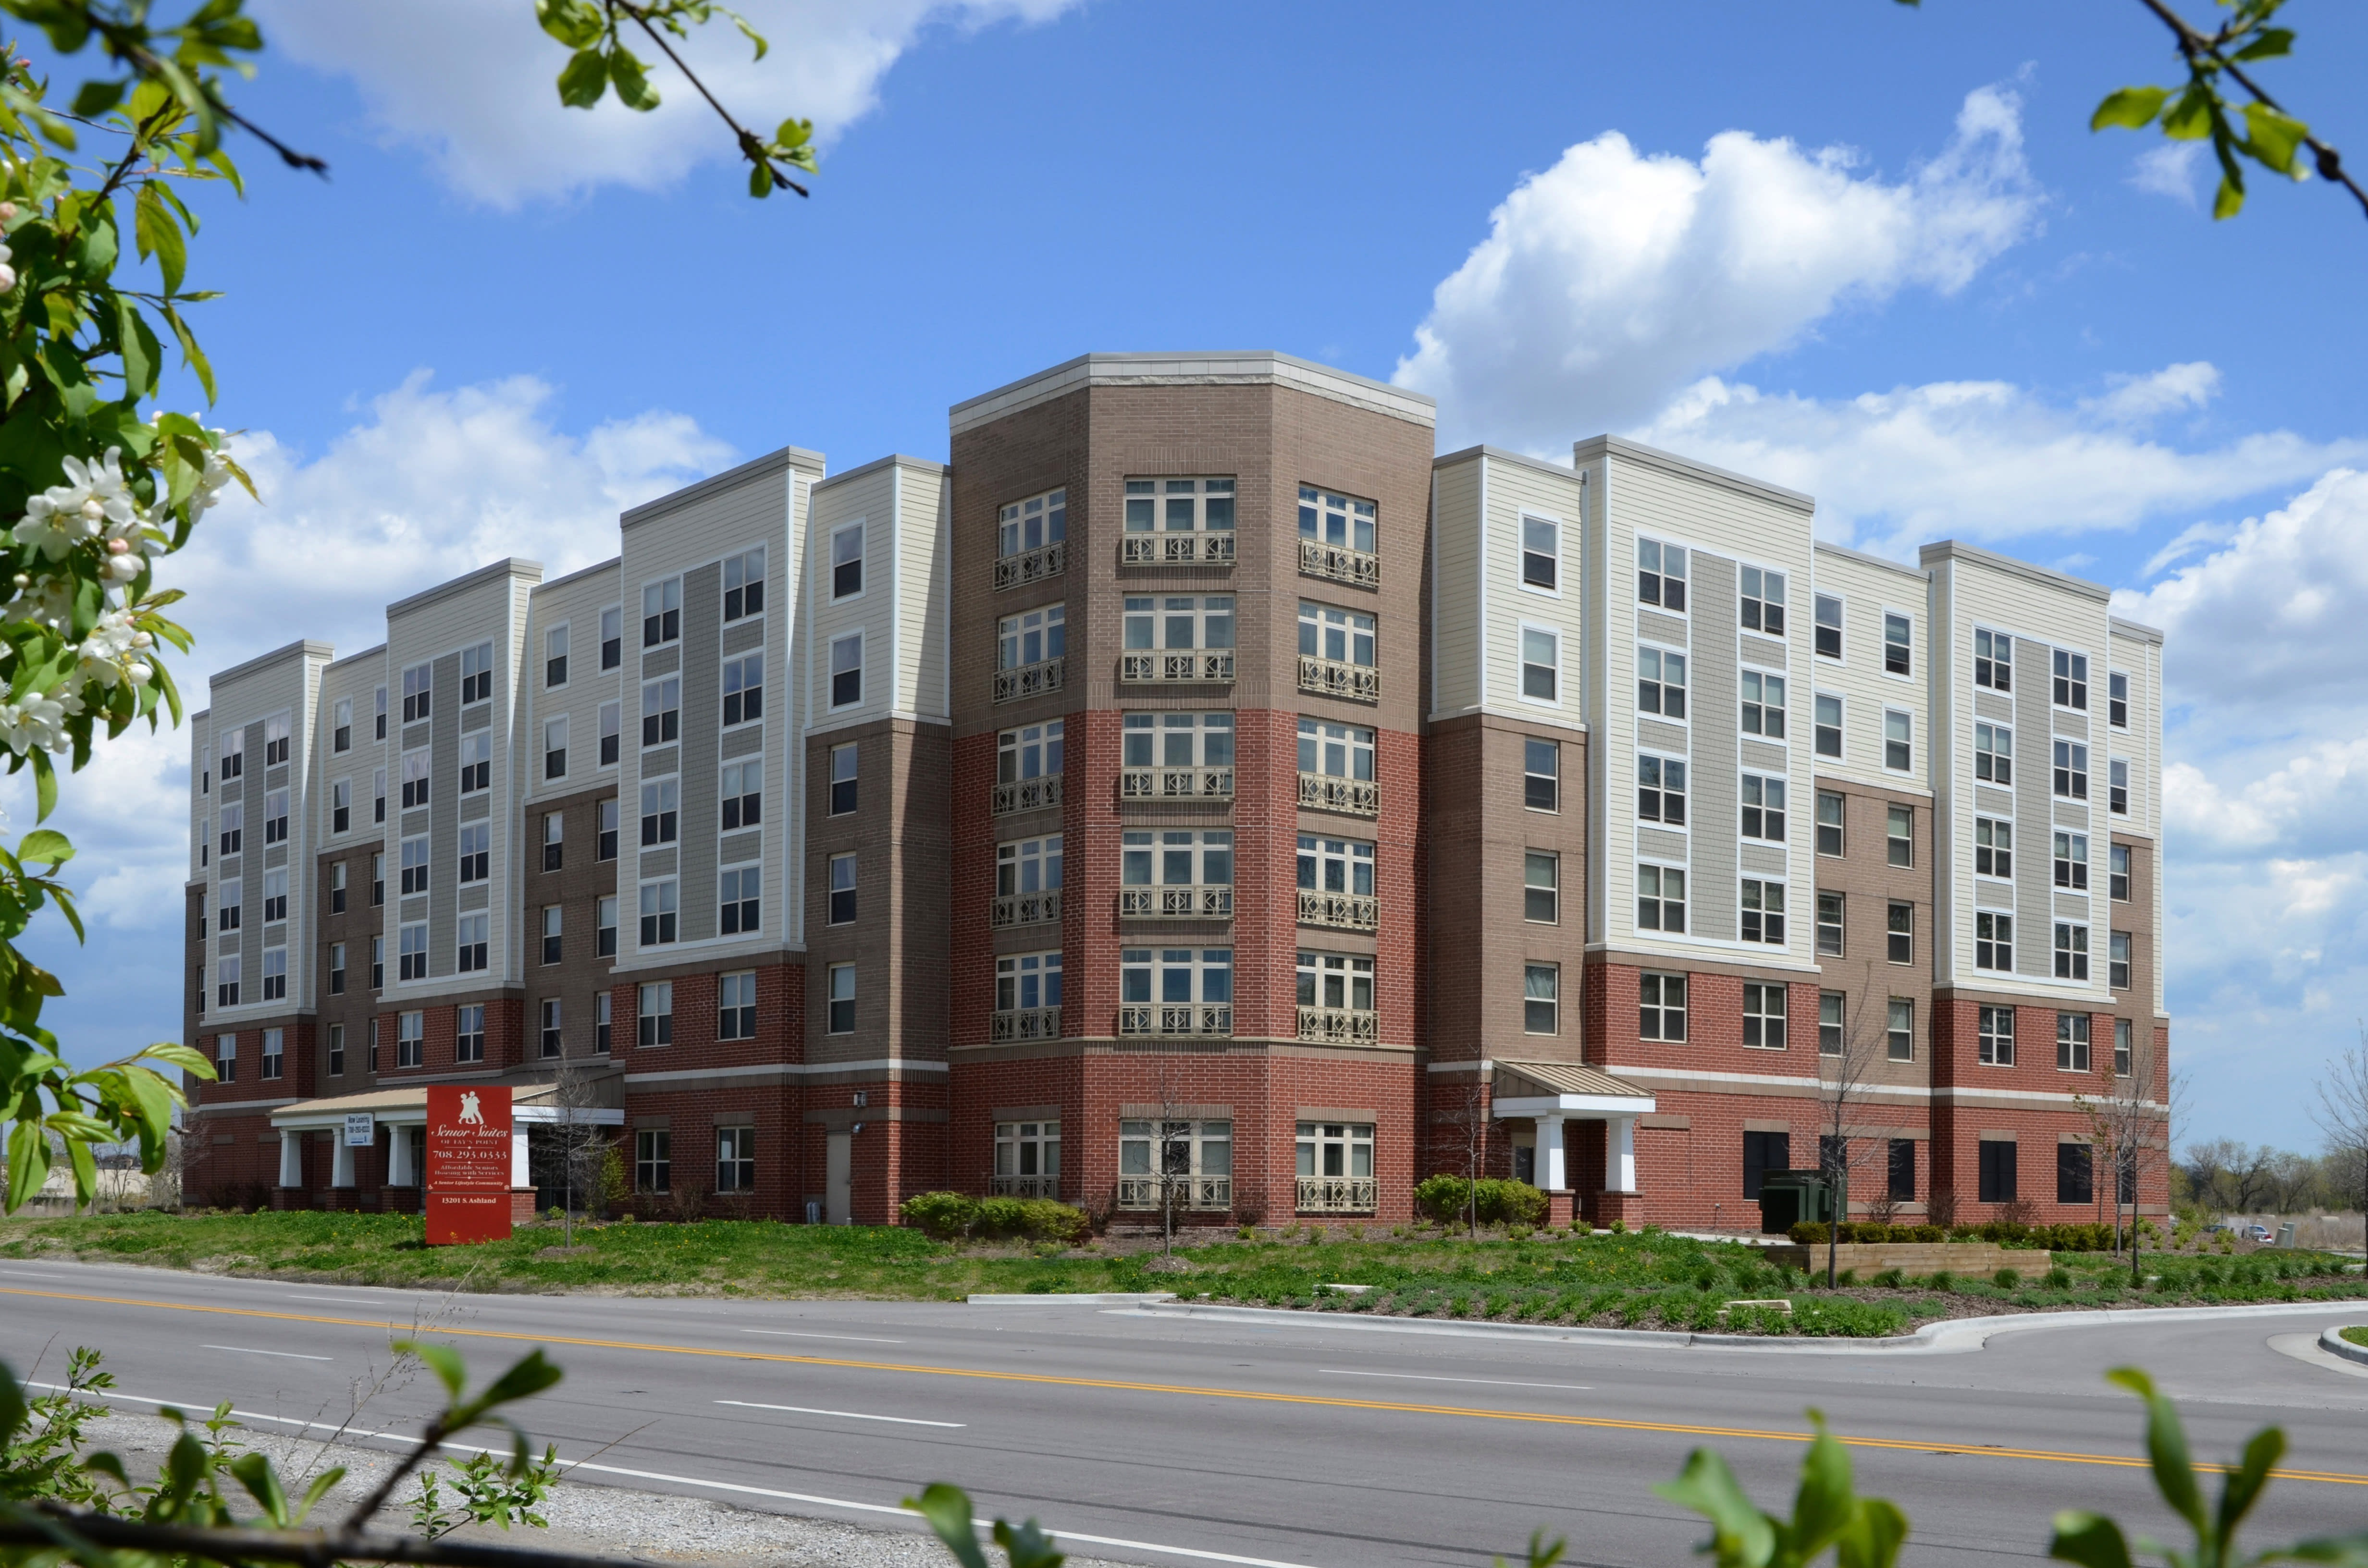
1048 1220
2006 1280
949 1216
1515 1204
1891 1278
942 1216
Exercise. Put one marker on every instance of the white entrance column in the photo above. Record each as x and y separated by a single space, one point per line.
341 1168
1620 1153
292 1157
1551 1174
398 1158
518 1177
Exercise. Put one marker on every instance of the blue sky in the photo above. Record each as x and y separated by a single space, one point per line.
1868 251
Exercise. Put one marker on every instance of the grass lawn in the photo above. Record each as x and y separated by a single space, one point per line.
2357 1335
1645 1280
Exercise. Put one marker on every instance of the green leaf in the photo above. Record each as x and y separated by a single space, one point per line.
12 1403
2190 119
1824 1504
174 1055
633 81
2132 106
2090 1539
2272 42
582 81
528 1376
575 23
45 786
948 1510
761 180
135 344
153 227
2274 137
45 844
191 355
2347 1550
94 98
1875 1537
2243 1486
1027 1546
2230 199
254 1471
1740 1533
441 1359
2174 1473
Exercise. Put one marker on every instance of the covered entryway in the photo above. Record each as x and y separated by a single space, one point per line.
1550 1096
377 1140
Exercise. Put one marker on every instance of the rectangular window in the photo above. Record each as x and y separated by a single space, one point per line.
1899 835
1325 865
1541 876
1994 1181
1899 931
2117 787
1030 639
1660 682
226 1058
612 637
662 612
2072 861
1026 982
603 1010
1993 847
411 951
275 816
1898 637
656 1007
2117 959
662 711
550 1038
1540 665
1541 554
1763 1015
234 824
336 1051
659 912
2075 1173
1763 601
1901 1187
2117 700
1829 1022
410 1038
743 582
1993 660
744 689
1660 899
2072 1042
275 974
1763 705
1541 775
1996 1038
1763 808
1024 868
604 843
1994 753
847 562
1175 975
1829 925
1899 1034
476 674
417 689
470 950
842 779
612 723
1828 734
468 1033
1540 990
847 671
275 740
378 795
661 813
1661 1007
1342 981
378 963
1337 520
416 767
554 747
554 826
341 805
653 1160
1762 1152
1179 1162
476 761
1178 506
605 928
341 725
1763 912
1341 636
1829 823
275 898
841 998
1898 740
736 1006
232 903
1828 611
2071 951
1994 941
742 787
554 658
476 851
1336 751
735 1159
1032 524
377 705
1661 789
2071 688
555 945
1661 574
233 754
372 1060
414 866
275 1045
336 969
2122 1032
741 911
1034 751
1335 1149
2118 878
1178 622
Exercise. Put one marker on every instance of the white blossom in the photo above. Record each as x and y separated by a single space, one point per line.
39 722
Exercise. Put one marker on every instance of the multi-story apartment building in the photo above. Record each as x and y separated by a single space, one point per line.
1201 796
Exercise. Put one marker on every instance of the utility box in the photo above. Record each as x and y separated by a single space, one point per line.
1788 1197
2285 1234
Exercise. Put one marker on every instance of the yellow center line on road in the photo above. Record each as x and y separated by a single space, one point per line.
1981 1451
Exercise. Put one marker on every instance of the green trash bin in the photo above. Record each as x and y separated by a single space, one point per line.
1788 1197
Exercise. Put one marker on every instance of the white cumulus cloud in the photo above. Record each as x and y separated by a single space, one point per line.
2167 170
1615 277
472 82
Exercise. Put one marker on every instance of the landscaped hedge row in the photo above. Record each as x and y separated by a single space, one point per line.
2053 1238
947 1216
1516 1203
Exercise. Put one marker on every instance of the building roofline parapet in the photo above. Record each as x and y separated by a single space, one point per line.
611 564
2045 576
376 652
2137 628
773 462
1261 366
1865 558
512 566
1583 452
1500 454
302 648
893 459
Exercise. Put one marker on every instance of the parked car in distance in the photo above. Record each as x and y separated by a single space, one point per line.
2253 1233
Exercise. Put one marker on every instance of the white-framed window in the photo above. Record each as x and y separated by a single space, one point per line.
555 656
2117 787
1033 751
1028 866
1541 998
612 637
1540 665
744 583
604 931
1829 925
416 767
1898 643
1900 1029
1025 982
411 951
604 831
378 879
661 711
744 689
1343 636
233 826
1993 847
1177 857
1994 941
2072 1042
1660 898
1189 1153
1540 886
226 982
1660 682
341 805
1993 660
736 1006
378 795
2071 950
1763 807
2117 876
1336 1149
476 851
652 1159
1996 1036
1177 621
1179 506
1661 789
1032 524
612 724
1330 865
275 816
653 1007
660 912
2072 861
377 973
1336 980
2117 700
1830 1005
842 889
410 1038
660 612
1541 554
476 761
1898 740
554 938
843 763
336 969
336 1033
275 974
378 710
840 996
1032 637
1763 601
414 854
1763 705
1661 1007
1829 823
2122 1032
1828 729
1661 574
846 561
1763 1015
1175 975
275 897
2071 771
847 670
550 1037
2071 686
742 787
1540 774
477 674
554 747
1828 617
341 724
1337 520
1027 1152
1994 753
1336 751
470 947
1899 835
1763 910
1899 930
468 1033
2117 959
275 740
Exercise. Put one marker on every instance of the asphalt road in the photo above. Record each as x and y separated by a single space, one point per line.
1178 1440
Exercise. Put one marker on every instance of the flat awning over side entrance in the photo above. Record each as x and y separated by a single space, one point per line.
407 1107
1565 1088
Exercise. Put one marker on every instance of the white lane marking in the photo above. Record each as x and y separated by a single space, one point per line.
341 1300
406 1438
284 1355
847 1415
1426 1377
794 1333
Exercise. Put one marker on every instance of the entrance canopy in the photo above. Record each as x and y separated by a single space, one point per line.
1565 1089
407 1107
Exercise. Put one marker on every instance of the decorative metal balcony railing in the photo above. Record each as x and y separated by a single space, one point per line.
1027 794
1176 550
1028 1187
1177 1018
1340 1025
1032 565
1030 680
1337 1195
1179 902
1320 560
1185 1192
1324 792
1335 678
1025 1023
1025 908
1193 664
1176 784
1341 911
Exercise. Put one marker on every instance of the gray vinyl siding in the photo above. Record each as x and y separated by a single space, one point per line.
1456 608
443 813
250 889
702 716
1714 812
2034 935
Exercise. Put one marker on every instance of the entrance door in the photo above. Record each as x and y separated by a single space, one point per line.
839 1178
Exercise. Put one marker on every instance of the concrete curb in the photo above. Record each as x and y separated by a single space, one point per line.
1081 1298
2331 1340
1953 1337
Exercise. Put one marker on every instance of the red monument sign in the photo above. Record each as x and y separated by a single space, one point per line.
469 1164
